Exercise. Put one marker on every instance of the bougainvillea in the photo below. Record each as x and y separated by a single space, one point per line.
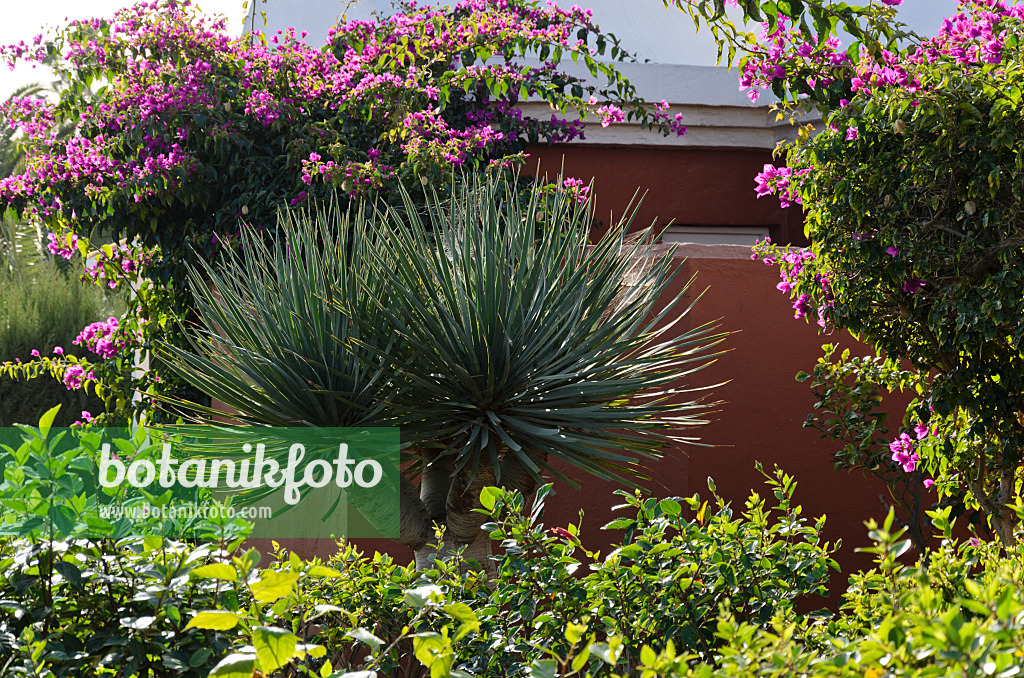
192 130
912 193
183 131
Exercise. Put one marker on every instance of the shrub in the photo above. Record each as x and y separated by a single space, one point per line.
72 605
911 196
666 582
692 590
957 613
490 328
193 131
173 609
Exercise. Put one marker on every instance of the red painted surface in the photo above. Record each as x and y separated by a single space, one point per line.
763 406
694 187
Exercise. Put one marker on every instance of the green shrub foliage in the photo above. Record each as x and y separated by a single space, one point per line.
691 589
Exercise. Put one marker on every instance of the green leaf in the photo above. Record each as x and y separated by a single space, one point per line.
221 571
420 596
489 497
670 507
325 572
200 657
365 637
461 612
235 665
217 620
580 660
46 421
544 668
573 632
434 651
275 647
273 585
63 517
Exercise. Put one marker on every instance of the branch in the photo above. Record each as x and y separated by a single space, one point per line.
941 227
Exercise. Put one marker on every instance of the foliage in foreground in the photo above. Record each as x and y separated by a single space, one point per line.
162 606
691 589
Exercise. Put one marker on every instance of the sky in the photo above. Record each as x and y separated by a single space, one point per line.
24 18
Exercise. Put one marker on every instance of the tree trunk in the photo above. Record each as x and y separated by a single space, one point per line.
462 523
513 475
414 527
1002 517
435 483
451 501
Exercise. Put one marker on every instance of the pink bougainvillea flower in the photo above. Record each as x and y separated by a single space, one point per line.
913 286
73 376
611 114
903 453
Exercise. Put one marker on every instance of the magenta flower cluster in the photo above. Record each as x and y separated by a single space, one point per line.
796 267
61 247
973 38
784 53
577 188
178 83
108 270
102 338
904 451
75 375
772 180
611 113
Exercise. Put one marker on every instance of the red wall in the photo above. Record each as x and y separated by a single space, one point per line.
700 187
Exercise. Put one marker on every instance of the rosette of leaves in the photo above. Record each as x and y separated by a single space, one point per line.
487 327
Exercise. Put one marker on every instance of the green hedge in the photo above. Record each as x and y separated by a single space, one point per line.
692 589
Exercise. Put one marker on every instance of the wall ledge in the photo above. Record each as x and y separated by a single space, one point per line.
693 250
